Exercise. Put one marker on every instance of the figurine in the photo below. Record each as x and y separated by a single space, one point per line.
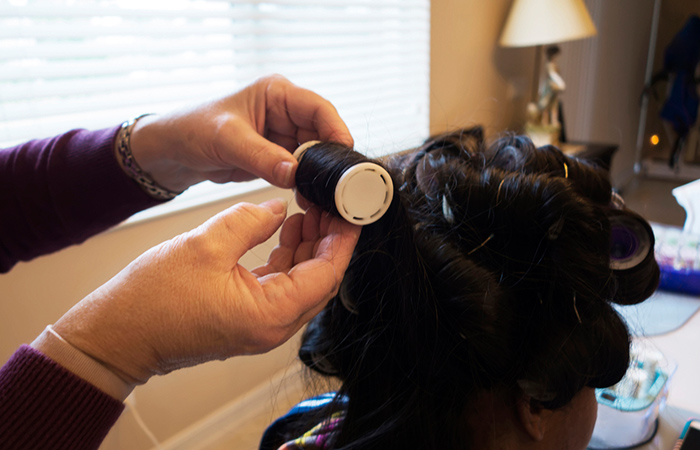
543 122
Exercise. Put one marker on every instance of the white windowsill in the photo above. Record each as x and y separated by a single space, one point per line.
199 195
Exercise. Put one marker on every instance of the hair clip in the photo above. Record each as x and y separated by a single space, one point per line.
364 191
616 201
498 193
566 171
481 245
578 316
447 211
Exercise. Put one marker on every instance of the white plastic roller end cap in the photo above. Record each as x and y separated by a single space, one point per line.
299 152
364 193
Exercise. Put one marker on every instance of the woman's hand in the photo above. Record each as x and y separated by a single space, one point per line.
188 300
243 136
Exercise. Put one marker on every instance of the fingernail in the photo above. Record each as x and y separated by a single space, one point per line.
283 173
276 205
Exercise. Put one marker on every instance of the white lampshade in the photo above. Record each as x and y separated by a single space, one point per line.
539 22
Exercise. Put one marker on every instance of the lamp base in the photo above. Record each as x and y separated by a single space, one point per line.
543 134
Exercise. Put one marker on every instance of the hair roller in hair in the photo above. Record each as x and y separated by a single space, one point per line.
631 240
362 190
632 257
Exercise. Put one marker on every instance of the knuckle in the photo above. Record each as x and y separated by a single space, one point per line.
247 209
244 214
256 155
199 242
276 85
276 78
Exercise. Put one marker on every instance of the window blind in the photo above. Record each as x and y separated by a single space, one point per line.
93 63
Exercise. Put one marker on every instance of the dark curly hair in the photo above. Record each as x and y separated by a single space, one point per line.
491 270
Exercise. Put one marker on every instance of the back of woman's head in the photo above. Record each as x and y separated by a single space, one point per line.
491 271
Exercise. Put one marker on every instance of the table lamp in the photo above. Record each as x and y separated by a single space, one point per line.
537 23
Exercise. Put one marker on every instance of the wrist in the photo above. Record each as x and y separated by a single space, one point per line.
51 344
143 154
113 356
108 336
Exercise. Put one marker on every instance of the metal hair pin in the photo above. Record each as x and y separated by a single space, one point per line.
578 316
486 241
498 193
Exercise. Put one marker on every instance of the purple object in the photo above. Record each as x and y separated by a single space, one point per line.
685 281
678 255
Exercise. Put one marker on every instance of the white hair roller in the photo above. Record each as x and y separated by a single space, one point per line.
364 191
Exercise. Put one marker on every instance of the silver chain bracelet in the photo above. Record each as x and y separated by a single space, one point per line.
131 167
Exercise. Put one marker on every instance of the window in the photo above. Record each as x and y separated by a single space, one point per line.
94 63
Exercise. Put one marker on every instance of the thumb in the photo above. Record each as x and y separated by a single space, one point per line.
245 225
268 160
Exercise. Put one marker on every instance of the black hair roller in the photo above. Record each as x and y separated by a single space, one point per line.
343 181
632 256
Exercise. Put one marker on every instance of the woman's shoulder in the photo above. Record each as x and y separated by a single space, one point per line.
301 418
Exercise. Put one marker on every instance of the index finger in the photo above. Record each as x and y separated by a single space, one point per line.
303 113
310 284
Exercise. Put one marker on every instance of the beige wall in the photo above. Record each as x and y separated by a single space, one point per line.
605 78
472 81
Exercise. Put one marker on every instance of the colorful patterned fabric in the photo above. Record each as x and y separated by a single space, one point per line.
317 437
288 425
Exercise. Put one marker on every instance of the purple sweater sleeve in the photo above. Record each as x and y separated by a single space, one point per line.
43 406
60 191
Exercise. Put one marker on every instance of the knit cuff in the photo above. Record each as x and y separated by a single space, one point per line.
42 405
70 358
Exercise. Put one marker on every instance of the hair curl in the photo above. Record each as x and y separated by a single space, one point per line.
490 271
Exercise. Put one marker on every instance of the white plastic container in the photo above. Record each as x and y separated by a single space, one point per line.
628 412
